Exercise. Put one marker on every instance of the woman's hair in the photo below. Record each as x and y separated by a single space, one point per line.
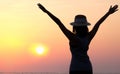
82 31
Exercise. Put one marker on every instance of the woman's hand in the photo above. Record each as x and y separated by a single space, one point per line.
113 9
42 8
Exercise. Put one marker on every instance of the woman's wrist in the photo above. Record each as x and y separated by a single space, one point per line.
108 13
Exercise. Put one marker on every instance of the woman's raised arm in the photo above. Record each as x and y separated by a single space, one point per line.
95 28
67 33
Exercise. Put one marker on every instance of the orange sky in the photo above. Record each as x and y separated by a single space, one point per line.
22 25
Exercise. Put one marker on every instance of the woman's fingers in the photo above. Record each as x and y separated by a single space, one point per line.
41 7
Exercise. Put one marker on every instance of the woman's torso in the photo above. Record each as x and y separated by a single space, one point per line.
80 59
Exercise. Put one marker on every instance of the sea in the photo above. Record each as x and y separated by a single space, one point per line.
46 73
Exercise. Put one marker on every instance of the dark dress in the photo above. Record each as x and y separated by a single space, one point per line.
80 63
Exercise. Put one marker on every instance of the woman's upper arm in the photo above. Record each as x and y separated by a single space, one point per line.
67 32
93 32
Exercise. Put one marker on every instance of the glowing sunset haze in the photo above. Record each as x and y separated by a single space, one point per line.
31 42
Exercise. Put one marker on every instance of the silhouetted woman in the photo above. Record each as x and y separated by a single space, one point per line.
79 40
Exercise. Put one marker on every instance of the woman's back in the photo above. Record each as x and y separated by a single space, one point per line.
80 60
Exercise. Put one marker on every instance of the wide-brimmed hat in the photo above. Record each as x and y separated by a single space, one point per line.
80 20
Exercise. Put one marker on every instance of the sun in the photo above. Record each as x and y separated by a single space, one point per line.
39 49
